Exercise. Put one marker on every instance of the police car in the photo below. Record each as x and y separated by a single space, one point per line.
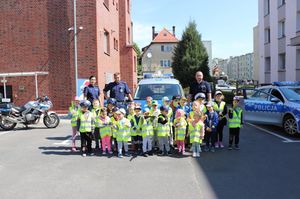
157 86
277 104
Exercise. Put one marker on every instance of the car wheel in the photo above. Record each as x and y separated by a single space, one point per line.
290 125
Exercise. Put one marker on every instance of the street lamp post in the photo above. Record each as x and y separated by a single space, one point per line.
75 48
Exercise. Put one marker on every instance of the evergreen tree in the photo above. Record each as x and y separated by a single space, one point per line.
190 56
139 59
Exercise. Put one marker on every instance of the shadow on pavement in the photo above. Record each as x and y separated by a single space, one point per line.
59 138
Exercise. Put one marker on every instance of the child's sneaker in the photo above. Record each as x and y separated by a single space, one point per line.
194 154
120 155
221 145
217 145
230 147
237 147
104 153
127 154
84 155
206 149
212 149
110 152
198 155
73 149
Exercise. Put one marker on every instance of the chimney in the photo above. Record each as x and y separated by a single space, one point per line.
153 32
173 28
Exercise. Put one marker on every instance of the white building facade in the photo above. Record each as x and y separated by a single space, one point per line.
279 35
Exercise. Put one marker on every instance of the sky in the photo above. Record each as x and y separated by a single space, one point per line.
227 23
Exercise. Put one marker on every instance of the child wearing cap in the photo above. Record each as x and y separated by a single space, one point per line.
96 111
163 131
148 102
104 124
196 133
114 120
200 97
211 123
221 109
85 123
123 132
136 125
166 103
235 122
180 130
147 132
74 110
154 112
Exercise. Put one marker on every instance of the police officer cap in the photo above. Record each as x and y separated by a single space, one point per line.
163 108
111 101
165 99
115 109
147 110
122 111
85 103
200 95
176 97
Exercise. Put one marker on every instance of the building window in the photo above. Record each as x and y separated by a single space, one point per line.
281 61
267 64
162 48
267 35
106 4
281 29
106 42
298 21
166 48
116 44
165 63
298 59
267 7
128 6
281 2
129 35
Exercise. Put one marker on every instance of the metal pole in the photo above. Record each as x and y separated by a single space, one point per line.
75 49
4 86
36 86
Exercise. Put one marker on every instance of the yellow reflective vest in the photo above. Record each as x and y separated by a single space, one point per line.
74 110
147 127
86 122
104 126
180 130
194 132
123 130
236 120
220 108
114 125
163 130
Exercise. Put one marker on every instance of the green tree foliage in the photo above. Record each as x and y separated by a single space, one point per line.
139 59
190 56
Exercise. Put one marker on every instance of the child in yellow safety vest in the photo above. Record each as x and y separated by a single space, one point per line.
235 122
220 107
114 120
196 133
163 132
96 112
180 129
86 126
104 124
136 125
195 109
74 110
123 132
147 132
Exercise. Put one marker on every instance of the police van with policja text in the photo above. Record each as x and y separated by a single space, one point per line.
277 104
157 86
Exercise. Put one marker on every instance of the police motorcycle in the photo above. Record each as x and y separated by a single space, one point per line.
30 113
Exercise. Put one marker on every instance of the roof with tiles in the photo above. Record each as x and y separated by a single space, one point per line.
165 36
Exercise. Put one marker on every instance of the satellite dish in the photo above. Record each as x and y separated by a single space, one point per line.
149 54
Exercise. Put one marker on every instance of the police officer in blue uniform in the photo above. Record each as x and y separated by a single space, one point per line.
118 90
92 91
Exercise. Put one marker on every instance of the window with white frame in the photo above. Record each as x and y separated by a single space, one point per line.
266 7
165 63
267 64
106 42
267 35
281 61
166 48
298 21
280 2
281 29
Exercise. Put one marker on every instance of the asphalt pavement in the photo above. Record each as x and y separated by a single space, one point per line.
37 163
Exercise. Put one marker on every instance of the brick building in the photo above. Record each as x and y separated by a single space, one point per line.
35 36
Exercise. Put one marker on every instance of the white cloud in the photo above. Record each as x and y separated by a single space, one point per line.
142 34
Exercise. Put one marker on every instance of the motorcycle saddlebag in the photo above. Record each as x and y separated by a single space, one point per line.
5 108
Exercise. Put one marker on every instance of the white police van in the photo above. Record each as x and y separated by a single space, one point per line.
277 104
157 86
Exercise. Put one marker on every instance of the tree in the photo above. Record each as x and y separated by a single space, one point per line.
139 59
190 56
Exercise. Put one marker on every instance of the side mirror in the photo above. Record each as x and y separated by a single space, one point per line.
275 100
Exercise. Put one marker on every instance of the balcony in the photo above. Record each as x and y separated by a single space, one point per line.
295 41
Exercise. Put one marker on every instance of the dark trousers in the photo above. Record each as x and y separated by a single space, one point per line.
86 142
210 137
234 133
219 129
97 137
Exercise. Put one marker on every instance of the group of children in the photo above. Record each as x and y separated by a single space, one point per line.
173 124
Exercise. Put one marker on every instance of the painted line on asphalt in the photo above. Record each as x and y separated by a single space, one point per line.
66 142
286 140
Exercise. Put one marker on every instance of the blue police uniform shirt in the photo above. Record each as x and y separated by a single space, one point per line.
117 90
202 87
92 92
